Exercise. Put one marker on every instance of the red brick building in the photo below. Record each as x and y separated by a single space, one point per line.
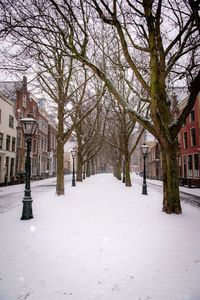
189 159
43 154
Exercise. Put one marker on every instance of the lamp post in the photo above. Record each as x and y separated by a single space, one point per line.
29 126
144 148
84 169
123 167
73 152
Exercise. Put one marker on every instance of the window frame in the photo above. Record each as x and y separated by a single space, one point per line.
13 144
196 171
192 115
190 162
185 141
11 121
193 139
1 140
8 142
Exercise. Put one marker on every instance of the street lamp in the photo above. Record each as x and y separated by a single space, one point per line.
73 152
144 148
29 126
84 171
123 167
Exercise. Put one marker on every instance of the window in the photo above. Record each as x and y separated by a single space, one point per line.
190 165
34 165
184 167
20 115
39 142
12 167
185 123
19 138
34 146
1 140
8 143
45 144
42 168
7 165
39 164
34 111
13 144
51 140
192 116
179 166
17 163
24 101
193 137
42 146
54 142
185 141
196 165
11 121
40 124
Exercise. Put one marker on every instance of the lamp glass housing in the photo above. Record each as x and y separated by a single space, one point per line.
73 152
29 126
144 148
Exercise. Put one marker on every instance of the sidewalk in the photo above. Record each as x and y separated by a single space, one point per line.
101 241
189 191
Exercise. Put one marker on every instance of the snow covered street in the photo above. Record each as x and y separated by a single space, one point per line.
101 241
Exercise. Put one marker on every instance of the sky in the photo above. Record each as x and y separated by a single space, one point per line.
100 241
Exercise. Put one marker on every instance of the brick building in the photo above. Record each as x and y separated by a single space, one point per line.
189 137
43 153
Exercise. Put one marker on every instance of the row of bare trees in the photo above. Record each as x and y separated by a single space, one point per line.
138 51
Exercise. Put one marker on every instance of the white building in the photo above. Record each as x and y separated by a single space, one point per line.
68 161
8 135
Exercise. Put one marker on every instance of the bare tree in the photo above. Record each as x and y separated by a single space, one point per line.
162 33
140 29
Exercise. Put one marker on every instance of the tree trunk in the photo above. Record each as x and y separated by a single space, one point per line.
127 172
60 189
60 169
93 166
115 170
88 169
79 176
119 164
171 198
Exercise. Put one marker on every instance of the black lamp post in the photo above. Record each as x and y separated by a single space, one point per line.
144 148
123 167
84 169
29 126
73 152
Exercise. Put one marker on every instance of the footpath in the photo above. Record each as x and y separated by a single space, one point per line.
100 241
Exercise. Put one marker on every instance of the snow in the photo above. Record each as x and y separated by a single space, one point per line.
101 241
191 191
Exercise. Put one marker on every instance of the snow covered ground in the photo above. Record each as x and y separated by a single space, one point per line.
101 241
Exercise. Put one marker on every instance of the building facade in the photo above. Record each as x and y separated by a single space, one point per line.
43 153
8 136
189 138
